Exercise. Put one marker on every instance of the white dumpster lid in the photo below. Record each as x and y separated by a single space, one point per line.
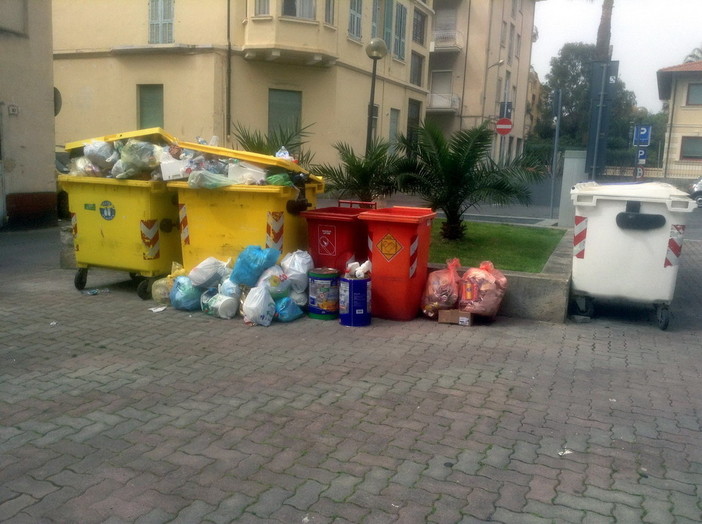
639 191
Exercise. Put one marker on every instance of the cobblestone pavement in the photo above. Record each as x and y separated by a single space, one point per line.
112 413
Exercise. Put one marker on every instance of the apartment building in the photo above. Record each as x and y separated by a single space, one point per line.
200 67
27 106
479 67
681 87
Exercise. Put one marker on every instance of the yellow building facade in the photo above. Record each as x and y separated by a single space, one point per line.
681 87
27 105
202 67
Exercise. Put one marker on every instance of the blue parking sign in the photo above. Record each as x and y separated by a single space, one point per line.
641 156
642 135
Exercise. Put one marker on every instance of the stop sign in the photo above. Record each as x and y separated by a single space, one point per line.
503 126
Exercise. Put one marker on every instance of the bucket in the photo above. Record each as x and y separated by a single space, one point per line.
219 305
355 301
324 293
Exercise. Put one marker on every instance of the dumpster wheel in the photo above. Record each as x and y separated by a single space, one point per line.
144 288
584 306
663 316
81 278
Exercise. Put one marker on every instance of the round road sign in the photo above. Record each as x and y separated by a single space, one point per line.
503 126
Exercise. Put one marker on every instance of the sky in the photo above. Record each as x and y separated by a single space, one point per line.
647 35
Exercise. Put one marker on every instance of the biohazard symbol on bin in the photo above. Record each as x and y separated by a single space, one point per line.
389 247
327 240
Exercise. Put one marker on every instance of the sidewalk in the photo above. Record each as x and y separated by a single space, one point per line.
112 413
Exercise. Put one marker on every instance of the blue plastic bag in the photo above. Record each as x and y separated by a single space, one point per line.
286 310
251 264
184 295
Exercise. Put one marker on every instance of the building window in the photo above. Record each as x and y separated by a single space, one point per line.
416 69
503 34
398 48
419 25
694 94
355 12
515 8
299 8
414 116
691 148
394 127
150 105
518 45
261 7
510 49
386 17
329 12
161 21
375 13
284 109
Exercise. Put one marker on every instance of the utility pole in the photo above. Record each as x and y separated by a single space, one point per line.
557 112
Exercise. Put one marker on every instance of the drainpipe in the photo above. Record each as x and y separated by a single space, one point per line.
674 81
465 66
228 110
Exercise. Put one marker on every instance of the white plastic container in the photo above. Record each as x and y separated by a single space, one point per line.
627 242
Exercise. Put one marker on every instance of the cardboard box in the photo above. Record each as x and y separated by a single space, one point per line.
455 316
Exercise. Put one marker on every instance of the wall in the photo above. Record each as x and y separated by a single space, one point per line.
27 182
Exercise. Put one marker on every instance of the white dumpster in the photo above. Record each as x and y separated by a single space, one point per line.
627 242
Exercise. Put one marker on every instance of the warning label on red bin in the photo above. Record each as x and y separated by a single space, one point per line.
389 247
326 244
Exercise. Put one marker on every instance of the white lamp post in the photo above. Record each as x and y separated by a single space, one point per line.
376 50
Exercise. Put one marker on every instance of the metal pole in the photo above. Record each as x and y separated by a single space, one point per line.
369 131
555 151
599 120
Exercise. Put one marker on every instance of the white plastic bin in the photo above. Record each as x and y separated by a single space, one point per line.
627 243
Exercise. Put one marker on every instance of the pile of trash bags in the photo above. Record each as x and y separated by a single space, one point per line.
144 160
478 291
254 286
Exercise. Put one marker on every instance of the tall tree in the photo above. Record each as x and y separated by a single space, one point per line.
604 32
570 72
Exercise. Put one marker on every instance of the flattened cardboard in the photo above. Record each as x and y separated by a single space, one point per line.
455 316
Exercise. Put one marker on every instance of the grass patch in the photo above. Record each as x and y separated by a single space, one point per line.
509 247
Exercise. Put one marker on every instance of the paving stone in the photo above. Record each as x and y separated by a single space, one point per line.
404 421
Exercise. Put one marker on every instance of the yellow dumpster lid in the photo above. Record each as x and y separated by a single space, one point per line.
247 156
150 132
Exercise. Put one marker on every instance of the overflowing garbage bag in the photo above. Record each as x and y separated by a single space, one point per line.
184 295
159 156
442 289
224 289
251 264
482 290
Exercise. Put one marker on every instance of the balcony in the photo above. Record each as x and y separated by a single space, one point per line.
444 103
447 41
289 40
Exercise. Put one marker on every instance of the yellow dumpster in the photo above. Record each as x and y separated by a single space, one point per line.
123 224
129 225
222 222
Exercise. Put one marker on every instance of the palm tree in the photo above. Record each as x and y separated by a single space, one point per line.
604 32
292 137
364 177
456 173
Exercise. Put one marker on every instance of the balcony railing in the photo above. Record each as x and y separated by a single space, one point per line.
448 40
444 102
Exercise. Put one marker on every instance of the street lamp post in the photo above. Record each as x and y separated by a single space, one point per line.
376 50
496 64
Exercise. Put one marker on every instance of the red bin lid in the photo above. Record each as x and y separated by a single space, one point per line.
403 214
